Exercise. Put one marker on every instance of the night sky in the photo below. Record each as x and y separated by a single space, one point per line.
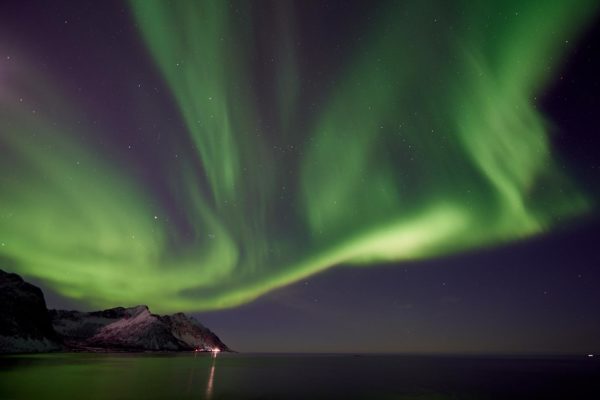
313 176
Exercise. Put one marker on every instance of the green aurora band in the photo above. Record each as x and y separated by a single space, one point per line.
427 143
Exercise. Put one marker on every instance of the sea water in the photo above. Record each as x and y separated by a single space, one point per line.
295 376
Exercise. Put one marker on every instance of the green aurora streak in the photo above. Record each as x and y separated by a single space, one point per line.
428 143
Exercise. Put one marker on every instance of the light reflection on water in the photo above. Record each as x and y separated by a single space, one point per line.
211 378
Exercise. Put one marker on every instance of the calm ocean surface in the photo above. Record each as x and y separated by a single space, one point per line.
264 376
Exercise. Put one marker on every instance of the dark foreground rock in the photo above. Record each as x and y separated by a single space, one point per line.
27 326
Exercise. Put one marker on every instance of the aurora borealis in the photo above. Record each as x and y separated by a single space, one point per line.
419 136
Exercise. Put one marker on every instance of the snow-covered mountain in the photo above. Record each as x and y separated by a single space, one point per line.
26 325
133 328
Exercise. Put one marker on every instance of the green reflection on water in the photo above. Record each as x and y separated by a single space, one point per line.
100 376
288 376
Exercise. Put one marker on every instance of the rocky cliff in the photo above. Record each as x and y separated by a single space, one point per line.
25 324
